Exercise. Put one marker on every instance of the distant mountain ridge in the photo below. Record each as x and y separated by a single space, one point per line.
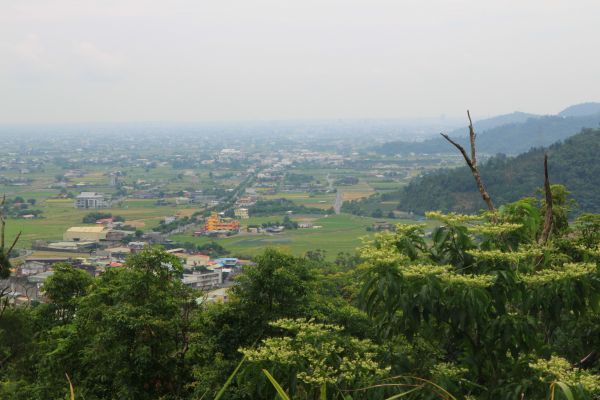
579 110
494 122
574 163
508 134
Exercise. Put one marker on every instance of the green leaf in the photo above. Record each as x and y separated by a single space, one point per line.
71 390
565 389
323 392
230 379
397 396
276 385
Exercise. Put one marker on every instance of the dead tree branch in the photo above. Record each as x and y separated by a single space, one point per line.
12 246
5 265
549 219
2 221
472 163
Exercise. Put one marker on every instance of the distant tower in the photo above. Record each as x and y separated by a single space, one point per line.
114 179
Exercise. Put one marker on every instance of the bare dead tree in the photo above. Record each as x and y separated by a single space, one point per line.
472 163
5 265
4 299
549 218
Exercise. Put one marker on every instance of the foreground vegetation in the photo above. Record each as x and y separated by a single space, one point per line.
487 308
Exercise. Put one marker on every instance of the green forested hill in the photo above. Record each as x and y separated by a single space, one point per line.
509 138
574 163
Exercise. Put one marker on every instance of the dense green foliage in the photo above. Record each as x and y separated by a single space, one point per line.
176 224
212 249
512 138
17 207
573 162
298 179
489 299
372 206
92 217
481 309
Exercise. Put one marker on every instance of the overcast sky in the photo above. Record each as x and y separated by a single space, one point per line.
179 60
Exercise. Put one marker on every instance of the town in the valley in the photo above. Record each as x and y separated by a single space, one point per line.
212 202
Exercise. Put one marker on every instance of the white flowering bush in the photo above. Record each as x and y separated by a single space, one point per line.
558 369
312 355
492 295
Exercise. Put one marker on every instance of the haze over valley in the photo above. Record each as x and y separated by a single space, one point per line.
300 200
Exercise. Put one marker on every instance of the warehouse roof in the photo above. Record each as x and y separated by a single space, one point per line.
87 229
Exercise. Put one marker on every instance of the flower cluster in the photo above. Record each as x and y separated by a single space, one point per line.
421 271
481 281
559 369
446 275
593 252
320 353
448 371
567 271
504 256
452 218
406 229
494 228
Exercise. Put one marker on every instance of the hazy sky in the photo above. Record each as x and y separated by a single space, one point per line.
179 60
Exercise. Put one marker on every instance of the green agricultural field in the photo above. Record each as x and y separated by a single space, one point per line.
385 186
324 201
58 215
338 233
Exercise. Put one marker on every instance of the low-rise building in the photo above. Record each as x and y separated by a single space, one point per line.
182 201
241 213
383 226
203 280
215 223
214 296
81 246
196 260
136 246
118 253
92 200
246 201
86 233
116 235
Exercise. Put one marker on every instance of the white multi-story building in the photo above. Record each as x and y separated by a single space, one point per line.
203 280
241 213
92 200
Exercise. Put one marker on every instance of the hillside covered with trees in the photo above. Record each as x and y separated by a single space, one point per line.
574 162
512 136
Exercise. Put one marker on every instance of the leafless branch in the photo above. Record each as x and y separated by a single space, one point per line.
472 162
460 148
472 137
12 246
549 219
4 299
2 221
588 360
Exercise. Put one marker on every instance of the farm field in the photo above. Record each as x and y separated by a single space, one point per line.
323 201
58 215
166 175
338 233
